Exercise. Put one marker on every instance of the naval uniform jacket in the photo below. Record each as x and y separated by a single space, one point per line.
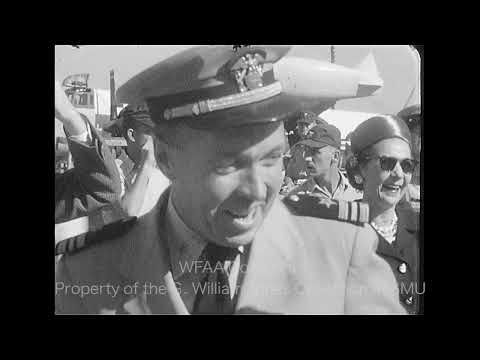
91 184
297 264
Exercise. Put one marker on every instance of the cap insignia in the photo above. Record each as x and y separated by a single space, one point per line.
250 72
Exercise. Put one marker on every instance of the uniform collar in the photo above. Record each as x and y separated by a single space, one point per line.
341 187
145 253
185 244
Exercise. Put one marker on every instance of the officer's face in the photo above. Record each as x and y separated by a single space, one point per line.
319 160
224 182
386 188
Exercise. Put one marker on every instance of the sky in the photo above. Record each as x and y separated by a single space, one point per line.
397 64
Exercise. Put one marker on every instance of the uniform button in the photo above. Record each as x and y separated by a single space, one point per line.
402 268
409 301
294 198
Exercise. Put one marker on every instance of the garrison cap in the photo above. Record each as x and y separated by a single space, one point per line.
354 212
376 129
211 87
323 135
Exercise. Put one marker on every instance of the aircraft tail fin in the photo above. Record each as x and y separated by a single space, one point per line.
370 80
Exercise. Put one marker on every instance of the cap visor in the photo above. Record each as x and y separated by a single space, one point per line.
312 143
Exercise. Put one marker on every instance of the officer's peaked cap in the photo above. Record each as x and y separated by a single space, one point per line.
218 86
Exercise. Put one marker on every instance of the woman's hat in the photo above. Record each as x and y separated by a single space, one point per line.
376 129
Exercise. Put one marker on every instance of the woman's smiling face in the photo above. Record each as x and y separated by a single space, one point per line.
385 188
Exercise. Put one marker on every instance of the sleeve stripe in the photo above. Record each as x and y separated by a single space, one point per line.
364 213
354 213
342 210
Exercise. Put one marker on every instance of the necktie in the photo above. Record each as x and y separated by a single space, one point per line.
215 297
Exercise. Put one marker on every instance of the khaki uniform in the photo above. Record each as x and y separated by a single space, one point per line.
344 190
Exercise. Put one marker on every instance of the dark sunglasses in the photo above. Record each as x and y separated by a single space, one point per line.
388 163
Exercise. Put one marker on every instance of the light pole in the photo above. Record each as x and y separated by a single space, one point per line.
332 60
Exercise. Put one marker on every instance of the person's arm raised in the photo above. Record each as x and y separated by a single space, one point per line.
67 114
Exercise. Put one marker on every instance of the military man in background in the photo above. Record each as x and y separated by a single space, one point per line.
322 157
296 165
412 115
219 137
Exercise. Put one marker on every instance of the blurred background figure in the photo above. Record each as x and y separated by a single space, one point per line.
142 181
413 118
299 124
94 180
382 166
322 157
295 164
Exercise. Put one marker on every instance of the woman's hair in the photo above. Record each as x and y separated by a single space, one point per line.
353 165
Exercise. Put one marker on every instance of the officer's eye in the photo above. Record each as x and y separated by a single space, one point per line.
225 170
224 167
272 159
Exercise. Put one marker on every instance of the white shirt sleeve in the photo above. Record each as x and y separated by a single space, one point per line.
118 162
85 137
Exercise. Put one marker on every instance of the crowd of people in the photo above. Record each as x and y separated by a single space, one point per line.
287 227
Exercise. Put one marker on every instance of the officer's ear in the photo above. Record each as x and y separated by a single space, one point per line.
335 157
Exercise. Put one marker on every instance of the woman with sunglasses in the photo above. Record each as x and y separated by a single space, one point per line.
382 166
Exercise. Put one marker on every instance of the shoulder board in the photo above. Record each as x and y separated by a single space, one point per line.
88 239
348 211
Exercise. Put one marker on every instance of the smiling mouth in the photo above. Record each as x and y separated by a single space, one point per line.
391 188
242 219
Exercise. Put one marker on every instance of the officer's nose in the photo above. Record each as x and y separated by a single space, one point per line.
253 187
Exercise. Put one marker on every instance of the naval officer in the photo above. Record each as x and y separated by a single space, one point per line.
219 241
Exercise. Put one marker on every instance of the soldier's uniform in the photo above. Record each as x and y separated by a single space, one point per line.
321 136
303 259
344 190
